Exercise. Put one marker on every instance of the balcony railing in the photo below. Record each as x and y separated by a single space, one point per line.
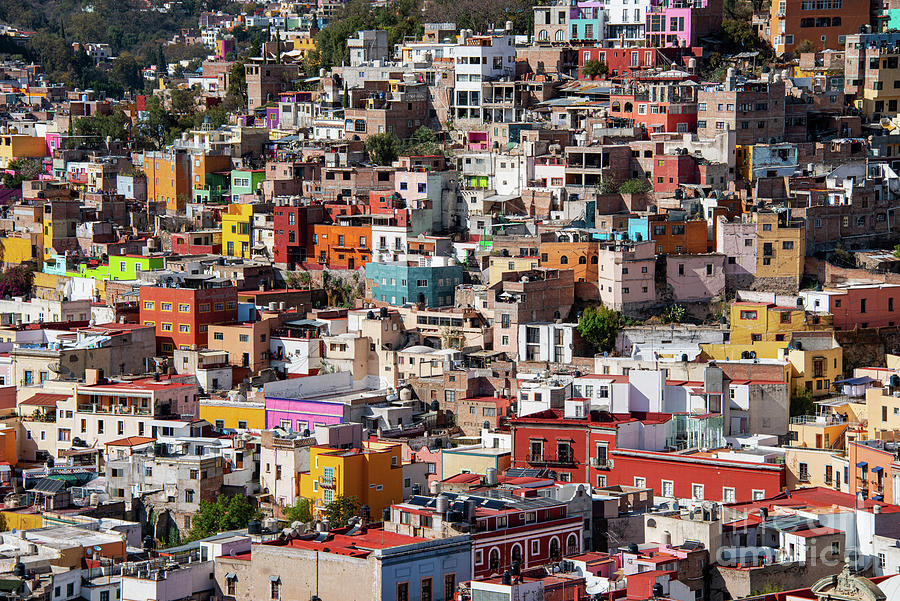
560 460
601 464
330 483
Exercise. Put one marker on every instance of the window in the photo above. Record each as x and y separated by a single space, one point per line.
188 496
218 336
758 495
535 547
166 327
184 328
231 586
149 305
275 589
184 308
165 306
668 488
697 492
748 314
402 591
450 586
426 590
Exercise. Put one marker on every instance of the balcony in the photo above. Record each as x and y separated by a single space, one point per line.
329 483
803 477
561 460
601 464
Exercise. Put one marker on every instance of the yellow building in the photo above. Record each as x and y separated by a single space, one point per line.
374 475
474 460
500 265
817 432
883 413
812 360
237 225
816 362
233 415
767 322
304 45
14 251
18 146
805 467
781 248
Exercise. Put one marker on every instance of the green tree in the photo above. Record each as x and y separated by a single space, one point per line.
383 148
16 281
236 96
116 125
634 186
21 170
340 510
594 68
599 326
301 512
673 314
225 513
802 403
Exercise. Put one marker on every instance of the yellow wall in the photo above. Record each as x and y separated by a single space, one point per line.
802 370
788 246
15 146
767 323
500 265
815 435
22 521
254 416
235 221
733 352
374 476
883 412
457 463
15 250
816 473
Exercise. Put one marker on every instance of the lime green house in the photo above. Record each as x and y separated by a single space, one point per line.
123 267
245 181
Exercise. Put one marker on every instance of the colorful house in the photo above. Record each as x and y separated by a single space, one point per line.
246 181
374 475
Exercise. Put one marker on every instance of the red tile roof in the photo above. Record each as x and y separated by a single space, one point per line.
43 399
131 441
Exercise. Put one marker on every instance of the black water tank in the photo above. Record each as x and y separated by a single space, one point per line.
507 578
19 570
254 527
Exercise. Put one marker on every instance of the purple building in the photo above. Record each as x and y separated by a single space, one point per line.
299 415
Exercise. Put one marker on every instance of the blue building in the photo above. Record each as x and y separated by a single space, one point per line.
399 282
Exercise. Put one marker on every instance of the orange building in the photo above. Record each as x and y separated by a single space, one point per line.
168 178
341 246
204 164
824 23
580 257
182 316
680 237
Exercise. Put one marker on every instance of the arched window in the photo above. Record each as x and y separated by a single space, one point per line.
564 260
494 560
628 107
516 553
560 35
543 35
616 106
582 260
572 545
554 548
594 260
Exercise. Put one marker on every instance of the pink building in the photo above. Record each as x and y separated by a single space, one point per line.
626 274
549 171
737 241
866 306
696 277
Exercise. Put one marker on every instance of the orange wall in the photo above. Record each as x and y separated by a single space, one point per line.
573 252
352 255
693 241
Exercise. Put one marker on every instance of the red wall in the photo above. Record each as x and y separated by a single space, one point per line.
194 318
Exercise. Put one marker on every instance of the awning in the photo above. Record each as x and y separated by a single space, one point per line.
877 469
230 576
862 465
856 381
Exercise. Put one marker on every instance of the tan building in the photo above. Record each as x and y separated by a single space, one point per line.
815 467
781 249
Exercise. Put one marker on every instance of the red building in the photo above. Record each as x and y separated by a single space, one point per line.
204 242
588 450
182 316
532 531
672 170
291 233
627 61
663 102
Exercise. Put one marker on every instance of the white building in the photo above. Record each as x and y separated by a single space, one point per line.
479 59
